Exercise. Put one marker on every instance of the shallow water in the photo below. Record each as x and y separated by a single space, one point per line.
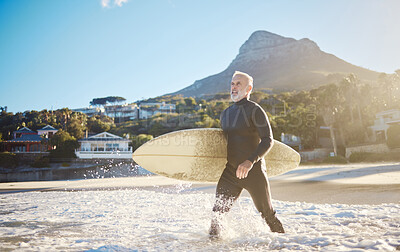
178 219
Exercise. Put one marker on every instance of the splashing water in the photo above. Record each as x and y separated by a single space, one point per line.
178 219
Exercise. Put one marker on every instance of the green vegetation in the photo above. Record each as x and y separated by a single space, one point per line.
393 135
98 124
140 139
41 162
65 145
335 160
374 157
110 99
348 107
65 164
8 160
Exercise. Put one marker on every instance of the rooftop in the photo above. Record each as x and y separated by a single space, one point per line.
25 130
48 127
27 138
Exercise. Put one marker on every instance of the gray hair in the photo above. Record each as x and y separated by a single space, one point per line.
246 76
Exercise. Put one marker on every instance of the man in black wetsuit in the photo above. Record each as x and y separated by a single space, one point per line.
249 138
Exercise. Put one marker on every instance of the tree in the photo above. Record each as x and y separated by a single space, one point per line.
98 102
190 104
63 115
387 90
115 99
109 99
348 88
98 124
140 139
76 128
157 129
302 121
257 96
65 145
328 102
60 137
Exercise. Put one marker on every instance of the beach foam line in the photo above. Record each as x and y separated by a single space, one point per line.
363 174
346 184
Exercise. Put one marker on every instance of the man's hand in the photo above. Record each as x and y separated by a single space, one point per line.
243 169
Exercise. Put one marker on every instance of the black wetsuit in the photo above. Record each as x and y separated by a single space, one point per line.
249 137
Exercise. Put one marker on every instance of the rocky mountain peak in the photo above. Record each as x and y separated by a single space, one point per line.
281 63
262 40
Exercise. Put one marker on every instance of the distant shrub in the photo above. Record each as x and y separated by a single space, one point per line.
393 136
8 160
335 160
41 162
358 157
374 157
140 139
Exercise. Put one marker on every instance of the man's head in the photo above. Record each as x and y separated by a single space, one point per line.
241 86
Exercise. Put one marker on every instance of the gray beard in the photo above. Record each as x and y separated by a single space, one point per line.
239 96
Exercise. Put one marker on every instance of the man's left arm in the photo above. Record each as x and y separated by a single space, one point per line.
264 131
261 122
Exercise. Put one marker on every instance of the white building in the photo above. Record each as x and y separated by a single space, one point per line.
149 109
104 146
382 122
124 112
47 131
90 111
128 112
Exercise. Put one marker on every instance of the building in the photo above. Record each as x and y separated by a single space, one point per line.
104 146
27 140
90 111
291 140
382 123
47 131
149 109
122 113
129 112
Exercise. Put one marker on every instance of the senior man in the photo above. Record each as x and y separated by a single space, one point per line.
249 136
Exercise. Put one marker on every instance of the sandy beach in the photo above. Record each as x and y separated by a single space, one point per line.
345 184
351 207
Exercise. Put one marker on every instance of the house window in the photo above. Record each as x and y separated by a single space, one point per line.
109 147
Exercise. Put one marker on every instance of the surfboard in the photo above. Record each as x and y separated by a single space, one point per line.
201 155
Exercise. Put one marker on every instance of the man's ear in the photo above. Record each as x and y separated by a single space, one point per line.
249 88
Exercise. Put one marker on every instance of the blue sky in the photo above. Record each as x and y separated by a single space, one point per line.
64 53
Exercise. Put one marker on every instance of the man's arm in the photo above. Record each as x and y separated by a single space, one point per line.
264 130
263 127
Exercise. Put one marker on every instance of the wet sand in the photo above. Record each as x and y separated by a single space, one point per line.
345 184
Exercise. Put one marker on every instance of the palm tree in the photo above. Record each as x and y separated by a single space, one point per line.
328 100
347 88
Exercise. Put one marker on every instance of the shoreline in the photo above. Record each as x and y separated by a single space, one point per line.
342 184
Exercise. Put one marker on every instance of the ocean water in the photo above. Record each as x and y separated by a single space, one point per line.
178 219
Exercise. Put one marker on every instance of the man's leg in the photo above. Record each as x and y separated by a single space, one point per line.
258 186
226 194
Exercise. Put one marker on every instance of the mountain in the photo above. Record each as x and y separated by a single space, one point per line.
280 63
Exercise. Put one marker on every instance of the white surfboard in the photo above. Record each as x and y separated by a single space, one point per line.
201 155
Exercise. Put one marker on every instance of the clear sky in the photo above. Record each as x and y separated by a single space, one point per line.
64 53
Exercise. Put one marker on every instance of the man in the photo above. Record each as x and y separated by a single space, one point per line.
249 138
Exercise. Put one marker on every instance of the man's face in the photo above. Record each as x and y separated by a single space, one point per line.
239 87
